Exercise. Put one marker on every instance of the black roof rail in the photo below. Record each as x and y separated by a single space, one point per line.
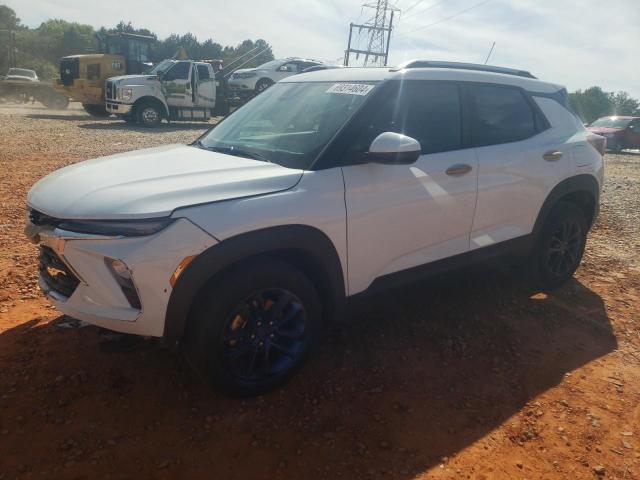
462 66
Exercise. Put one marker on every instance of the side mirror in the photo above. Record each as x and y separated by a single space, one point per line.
393 149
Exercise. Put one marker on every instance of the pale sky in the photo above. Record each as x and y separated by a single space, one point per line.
578 43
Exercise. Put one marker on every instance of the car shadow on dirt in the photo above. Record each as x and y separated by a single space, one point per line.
417 374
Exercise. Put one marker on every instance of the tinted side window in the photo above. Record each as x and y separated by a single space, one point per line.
289 67
428 112
203 73
180 71
502 115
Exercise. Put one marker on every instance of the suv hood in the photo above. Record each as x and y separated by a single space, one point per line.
153 182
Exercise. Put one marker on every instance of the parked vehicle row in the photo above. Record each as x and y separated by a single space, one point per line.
178 90
328 186
621 132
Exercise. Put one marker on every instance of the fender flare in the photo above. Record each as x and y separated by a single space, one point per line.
312 244
580 183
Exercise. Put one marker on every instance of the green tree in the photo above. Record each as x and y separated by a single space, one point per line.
9 23
623 104
591 103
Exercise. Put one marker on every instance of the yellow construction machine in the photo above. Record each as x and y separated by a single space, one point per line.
82 77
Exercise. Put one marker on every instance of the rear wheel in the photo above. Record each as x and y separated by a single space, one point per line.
95 110
560 245
149 114
253 329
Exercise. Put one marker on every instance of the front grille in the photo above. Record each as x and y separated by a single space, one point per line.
42 219
55 273
110 90
69 70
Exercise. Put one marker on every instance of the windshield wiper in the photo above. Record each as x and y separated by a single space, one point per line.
238 152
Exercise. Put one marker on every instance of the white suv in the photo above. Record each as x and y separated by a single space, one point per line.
329 185
256 80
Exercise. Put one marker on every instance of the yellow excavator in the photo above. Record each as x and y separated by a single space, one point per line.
82 77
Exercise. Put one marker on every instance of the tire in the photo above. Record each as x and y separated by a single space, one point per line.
95 110
58 102
148 114
617 147
560 246
262 85
249 332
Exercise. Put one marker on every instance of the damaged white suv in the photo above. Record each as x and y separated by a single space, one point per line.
330 184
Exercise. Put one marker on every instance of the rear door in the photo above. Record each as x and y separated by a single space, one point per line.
177 85
402 216
520 159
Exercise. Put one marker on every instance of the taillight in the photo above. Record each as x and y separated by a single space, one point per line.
598 142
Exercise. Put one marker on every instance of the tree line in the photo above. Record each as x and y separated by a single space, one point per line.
594 102
41 48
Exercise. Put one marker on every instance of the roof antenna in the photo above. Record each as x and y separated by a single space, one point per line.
490 52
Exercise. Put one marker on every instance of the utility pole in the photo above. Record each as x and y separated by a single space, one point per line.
12 55
11 52
377 32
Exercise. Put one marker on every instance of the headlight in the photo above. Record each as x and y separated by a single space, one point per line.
124 94
116 228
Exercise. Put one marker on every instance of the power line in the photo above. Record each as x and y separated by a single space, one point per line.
445 19
413 6
423 10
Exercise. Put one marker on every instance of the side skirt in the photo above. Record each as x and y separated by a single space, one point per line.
515 249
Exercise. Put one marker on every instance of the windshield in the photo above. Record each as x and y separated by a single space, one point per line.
290 123
22 72
611 122
162 67
272 63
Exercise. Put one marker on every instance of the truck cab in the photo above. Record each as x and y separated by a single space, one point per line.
174 90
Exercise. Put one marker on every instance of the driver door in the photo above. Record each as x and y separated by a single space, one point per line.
403 216
177 85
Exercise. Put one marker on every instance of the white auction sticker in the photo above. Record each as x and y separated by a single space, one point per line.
350 88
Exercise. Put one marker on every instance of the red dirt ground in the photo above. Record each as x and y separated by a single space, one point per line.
472 375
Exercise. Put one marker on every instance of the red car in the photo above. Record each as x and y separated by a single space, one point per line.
621 132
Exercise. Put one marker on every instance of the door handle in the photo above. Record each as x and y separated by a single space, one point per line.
552 155
458 169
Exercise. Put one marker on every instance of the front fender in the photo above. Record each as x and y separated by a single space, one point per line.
312 247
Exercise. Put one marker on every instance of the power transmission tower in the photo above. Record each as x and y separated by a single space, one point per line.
377 32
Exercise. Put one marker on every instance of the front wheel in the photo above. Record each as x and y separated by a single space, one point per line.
253 329
262 85
149 114
617 146
560 245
